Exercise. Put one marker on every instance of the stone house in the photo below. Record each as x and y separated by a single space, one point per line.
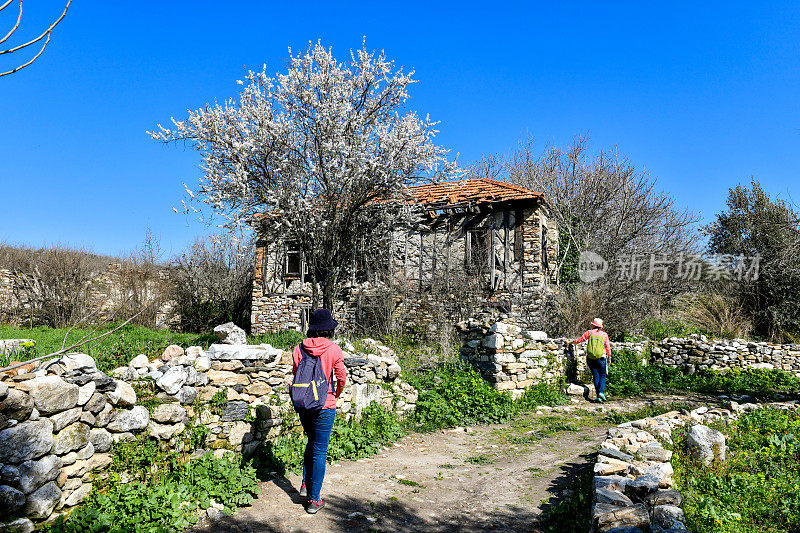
484 247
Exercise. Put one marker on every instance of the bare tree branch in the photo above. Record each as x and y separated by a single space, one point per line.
44 35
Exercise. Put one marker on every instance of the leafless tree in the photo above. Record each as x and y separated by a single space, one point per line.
142 281
605 204
22 48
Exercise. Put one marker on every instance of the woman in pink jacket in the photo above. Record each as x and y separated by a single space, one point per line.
318 423
597 349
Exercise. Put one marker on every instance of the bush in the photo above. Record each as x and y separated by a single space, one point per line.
756 489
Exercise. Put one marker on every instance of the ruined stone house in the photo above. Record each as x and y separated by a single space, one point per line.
484 247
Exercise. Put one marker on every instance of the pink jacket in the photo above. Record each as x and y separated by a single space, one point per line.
332 362
606 343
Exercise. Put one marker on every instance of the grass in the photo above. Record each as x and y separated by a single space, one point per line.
480 459
757 488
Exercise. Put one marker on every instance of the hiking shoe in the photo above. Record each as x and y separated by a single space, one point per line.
602 396
303 490
313 507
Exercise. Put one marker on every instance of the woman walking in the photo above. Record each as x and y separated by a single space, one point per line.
316 361
597 349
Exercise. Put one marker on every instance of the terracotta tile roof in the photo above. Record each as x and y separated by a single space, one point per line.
481 191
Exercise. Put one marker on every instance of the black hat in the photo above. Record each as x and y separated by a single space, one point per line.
321 320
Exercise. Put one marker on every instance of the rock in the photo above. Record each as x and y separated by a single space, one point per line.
65 418
86 452
17 405
643 485
576 390
9 475
172 380
536 335
125 373
262 352
171 351
102 418
123 395
3 391
78 495
238 433
100 439
258 388
669 517
610 482
51 394
606 517
706 445
202 363
96 403
140 361
98 462
125 420
235 411
71 362
34 474
186 395
86 392
393 371
41 503
72 437
26 440
195 351
10 500
214 514
20 525
613 497
665 497
230 333
616 454
228 379
168 413
165 431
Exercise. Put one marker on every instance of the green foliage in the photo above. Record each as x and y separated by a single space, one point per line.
542 394
572 511
480 459
219 402
627 377
117 349
27 352
166 501
284 340
350 439
757 488
658 329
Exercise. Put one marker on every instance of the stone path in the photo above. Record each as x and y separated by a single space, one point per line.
470 479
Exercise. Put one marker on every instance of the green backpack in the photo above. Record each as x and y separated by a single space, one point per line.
594 348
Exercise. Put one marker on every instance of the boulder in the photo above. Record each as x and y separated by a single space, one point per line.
34 474
51 394
65 418
230 333
73 437
706 445
669 517
85 392
3 391
17 405
172 380
140 361
41 503
171 351
20 525
165 431
202 363
261 352
70 362
606 517
186 395
9 475
613 497
226 378
125 373
235 411
100 439
123 394
96 403
27 440
11 500
168 413
78 495
125 420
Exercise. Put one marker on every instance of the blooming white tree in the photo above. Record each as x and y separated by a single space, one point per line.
310 155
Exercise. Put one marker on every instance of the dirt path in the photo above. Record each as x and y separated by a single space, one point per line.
469 479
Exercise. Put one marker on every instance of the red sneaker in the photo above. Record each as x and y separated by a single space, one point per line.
313 507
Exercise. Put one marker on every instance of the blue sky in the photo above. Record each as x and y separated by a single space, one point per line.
703 96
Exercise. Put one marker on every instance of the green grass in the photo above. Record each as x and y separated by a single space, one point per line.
757 488
116 349
480 459
284 340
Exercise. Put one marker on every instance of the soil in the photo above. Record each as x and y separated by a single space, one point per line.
499 477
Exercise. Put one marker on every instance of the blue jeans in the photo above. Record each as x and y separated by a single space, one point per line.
317 426
598 368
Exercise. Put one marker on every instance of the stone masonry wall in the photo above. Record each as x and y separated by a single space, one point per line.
58 421
514 359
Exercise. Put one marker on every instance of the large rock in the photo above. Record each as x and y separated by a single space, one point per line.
172 380
124 420
262 352
86 392
34 474
669 517
123 394
607 517
20 525
3 391
51 394
78 495
706 445
168 413
72 437
41 503
140 361
10 500
226 378
96 403
230 333
100 439
27 440
172 351
70 362
364 394
65 418
17 405
165 431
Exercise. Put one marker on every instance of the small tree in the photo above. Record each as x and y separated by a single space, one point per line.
309 155
754 224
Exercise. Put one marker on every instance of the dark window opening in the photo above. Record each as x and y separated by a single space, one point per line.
545 261
293 266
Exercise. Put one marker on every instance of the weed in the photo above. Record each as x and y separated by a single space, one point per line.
410 483
480 459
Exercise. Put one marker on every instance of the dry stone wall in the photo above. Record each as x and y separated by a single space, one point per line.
59 421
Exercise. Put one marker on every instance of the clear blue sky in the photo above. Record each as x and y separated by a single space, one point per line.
703 94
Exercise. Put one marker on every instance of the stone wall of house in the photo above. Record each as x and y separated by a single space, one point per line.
697 352
59 421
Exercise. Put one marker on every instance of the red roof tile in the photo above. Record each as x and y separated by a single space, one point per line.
481 191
